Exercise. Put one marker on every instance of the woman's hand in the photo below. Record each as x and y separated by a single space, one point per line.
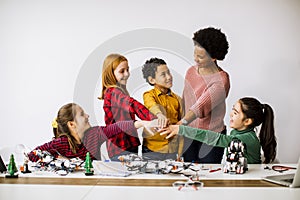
179 123
169 131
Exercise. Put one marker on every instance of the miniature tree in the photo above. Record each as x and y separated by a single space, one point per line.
88 165
12 168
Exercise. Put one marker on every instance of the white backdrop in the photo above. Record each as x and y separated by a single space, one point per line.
45 44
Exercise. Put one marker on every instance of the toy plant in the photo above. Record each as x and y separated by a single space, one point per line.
12 169
88 165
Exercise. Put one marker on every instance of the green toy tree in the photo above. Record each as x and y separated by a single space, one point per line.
12 168
88 165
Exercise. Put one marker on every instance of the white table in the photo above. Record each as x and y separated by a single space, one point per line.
98 191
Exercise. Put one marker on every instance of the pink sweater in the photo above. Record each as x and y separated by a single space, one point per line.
205 95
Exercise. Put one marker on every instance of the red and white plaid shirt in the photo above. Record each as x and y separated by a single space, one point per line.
118 106
92 141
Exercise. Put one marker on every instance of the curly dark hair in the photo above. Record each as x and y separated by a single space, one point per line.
213 41
150 67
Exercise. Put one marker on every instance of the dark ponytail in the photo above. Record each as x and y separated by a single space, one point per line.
262 114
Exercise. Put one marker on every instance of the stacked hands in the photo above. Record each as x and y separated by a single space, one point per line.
162 127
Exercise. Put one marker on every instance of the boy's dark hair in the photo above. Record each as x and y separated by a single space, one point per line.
213 41
150 67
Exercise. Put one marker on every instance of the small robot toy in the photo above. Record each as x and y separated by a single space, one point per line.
236 163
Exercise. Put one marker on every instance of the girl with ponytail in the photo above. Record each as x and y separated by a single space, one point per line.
246 115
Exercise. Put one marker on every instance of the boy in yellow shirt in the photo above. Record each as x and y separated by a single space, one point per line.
166 105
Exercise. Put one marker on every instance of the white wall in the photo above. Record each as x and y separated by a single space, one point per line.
46 45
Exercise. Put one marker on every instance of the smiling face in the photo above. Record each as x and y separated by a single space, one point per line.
163 78
202 58
80 124
238 119
122 73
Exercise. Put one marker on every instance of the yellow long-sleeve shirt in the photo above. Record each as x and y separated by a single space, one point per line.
170 105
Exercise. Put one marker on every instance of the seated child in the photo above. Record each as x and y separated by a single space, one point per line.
246 115
75 137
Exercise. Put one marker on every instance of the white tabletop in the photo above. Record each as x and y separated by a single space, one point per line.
44 192
31 191
255 172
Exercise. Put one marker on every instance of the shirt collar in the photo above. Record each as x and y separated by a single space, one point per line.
237 132
158 92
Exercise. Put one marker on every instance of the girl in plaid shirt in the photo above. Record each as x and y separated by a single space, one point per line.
74 136
119 106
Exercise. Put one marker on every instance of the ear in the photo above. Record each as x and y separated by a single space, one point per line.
151 80
248 121
71 125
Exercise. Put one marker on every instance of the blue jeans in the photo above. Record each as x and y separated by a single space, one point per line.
151 155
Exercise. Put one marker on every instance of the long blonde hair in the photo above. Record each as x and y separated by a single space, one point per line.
110 63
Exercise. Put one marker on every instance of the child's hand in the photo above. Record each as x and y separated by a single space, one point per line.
169 131
152 127
162 120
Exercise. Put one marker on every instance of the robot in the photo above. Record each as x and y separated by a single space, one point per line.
236 163
60 165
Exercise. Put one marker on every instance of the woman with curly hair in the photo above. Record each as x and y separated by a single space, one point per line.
206 88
